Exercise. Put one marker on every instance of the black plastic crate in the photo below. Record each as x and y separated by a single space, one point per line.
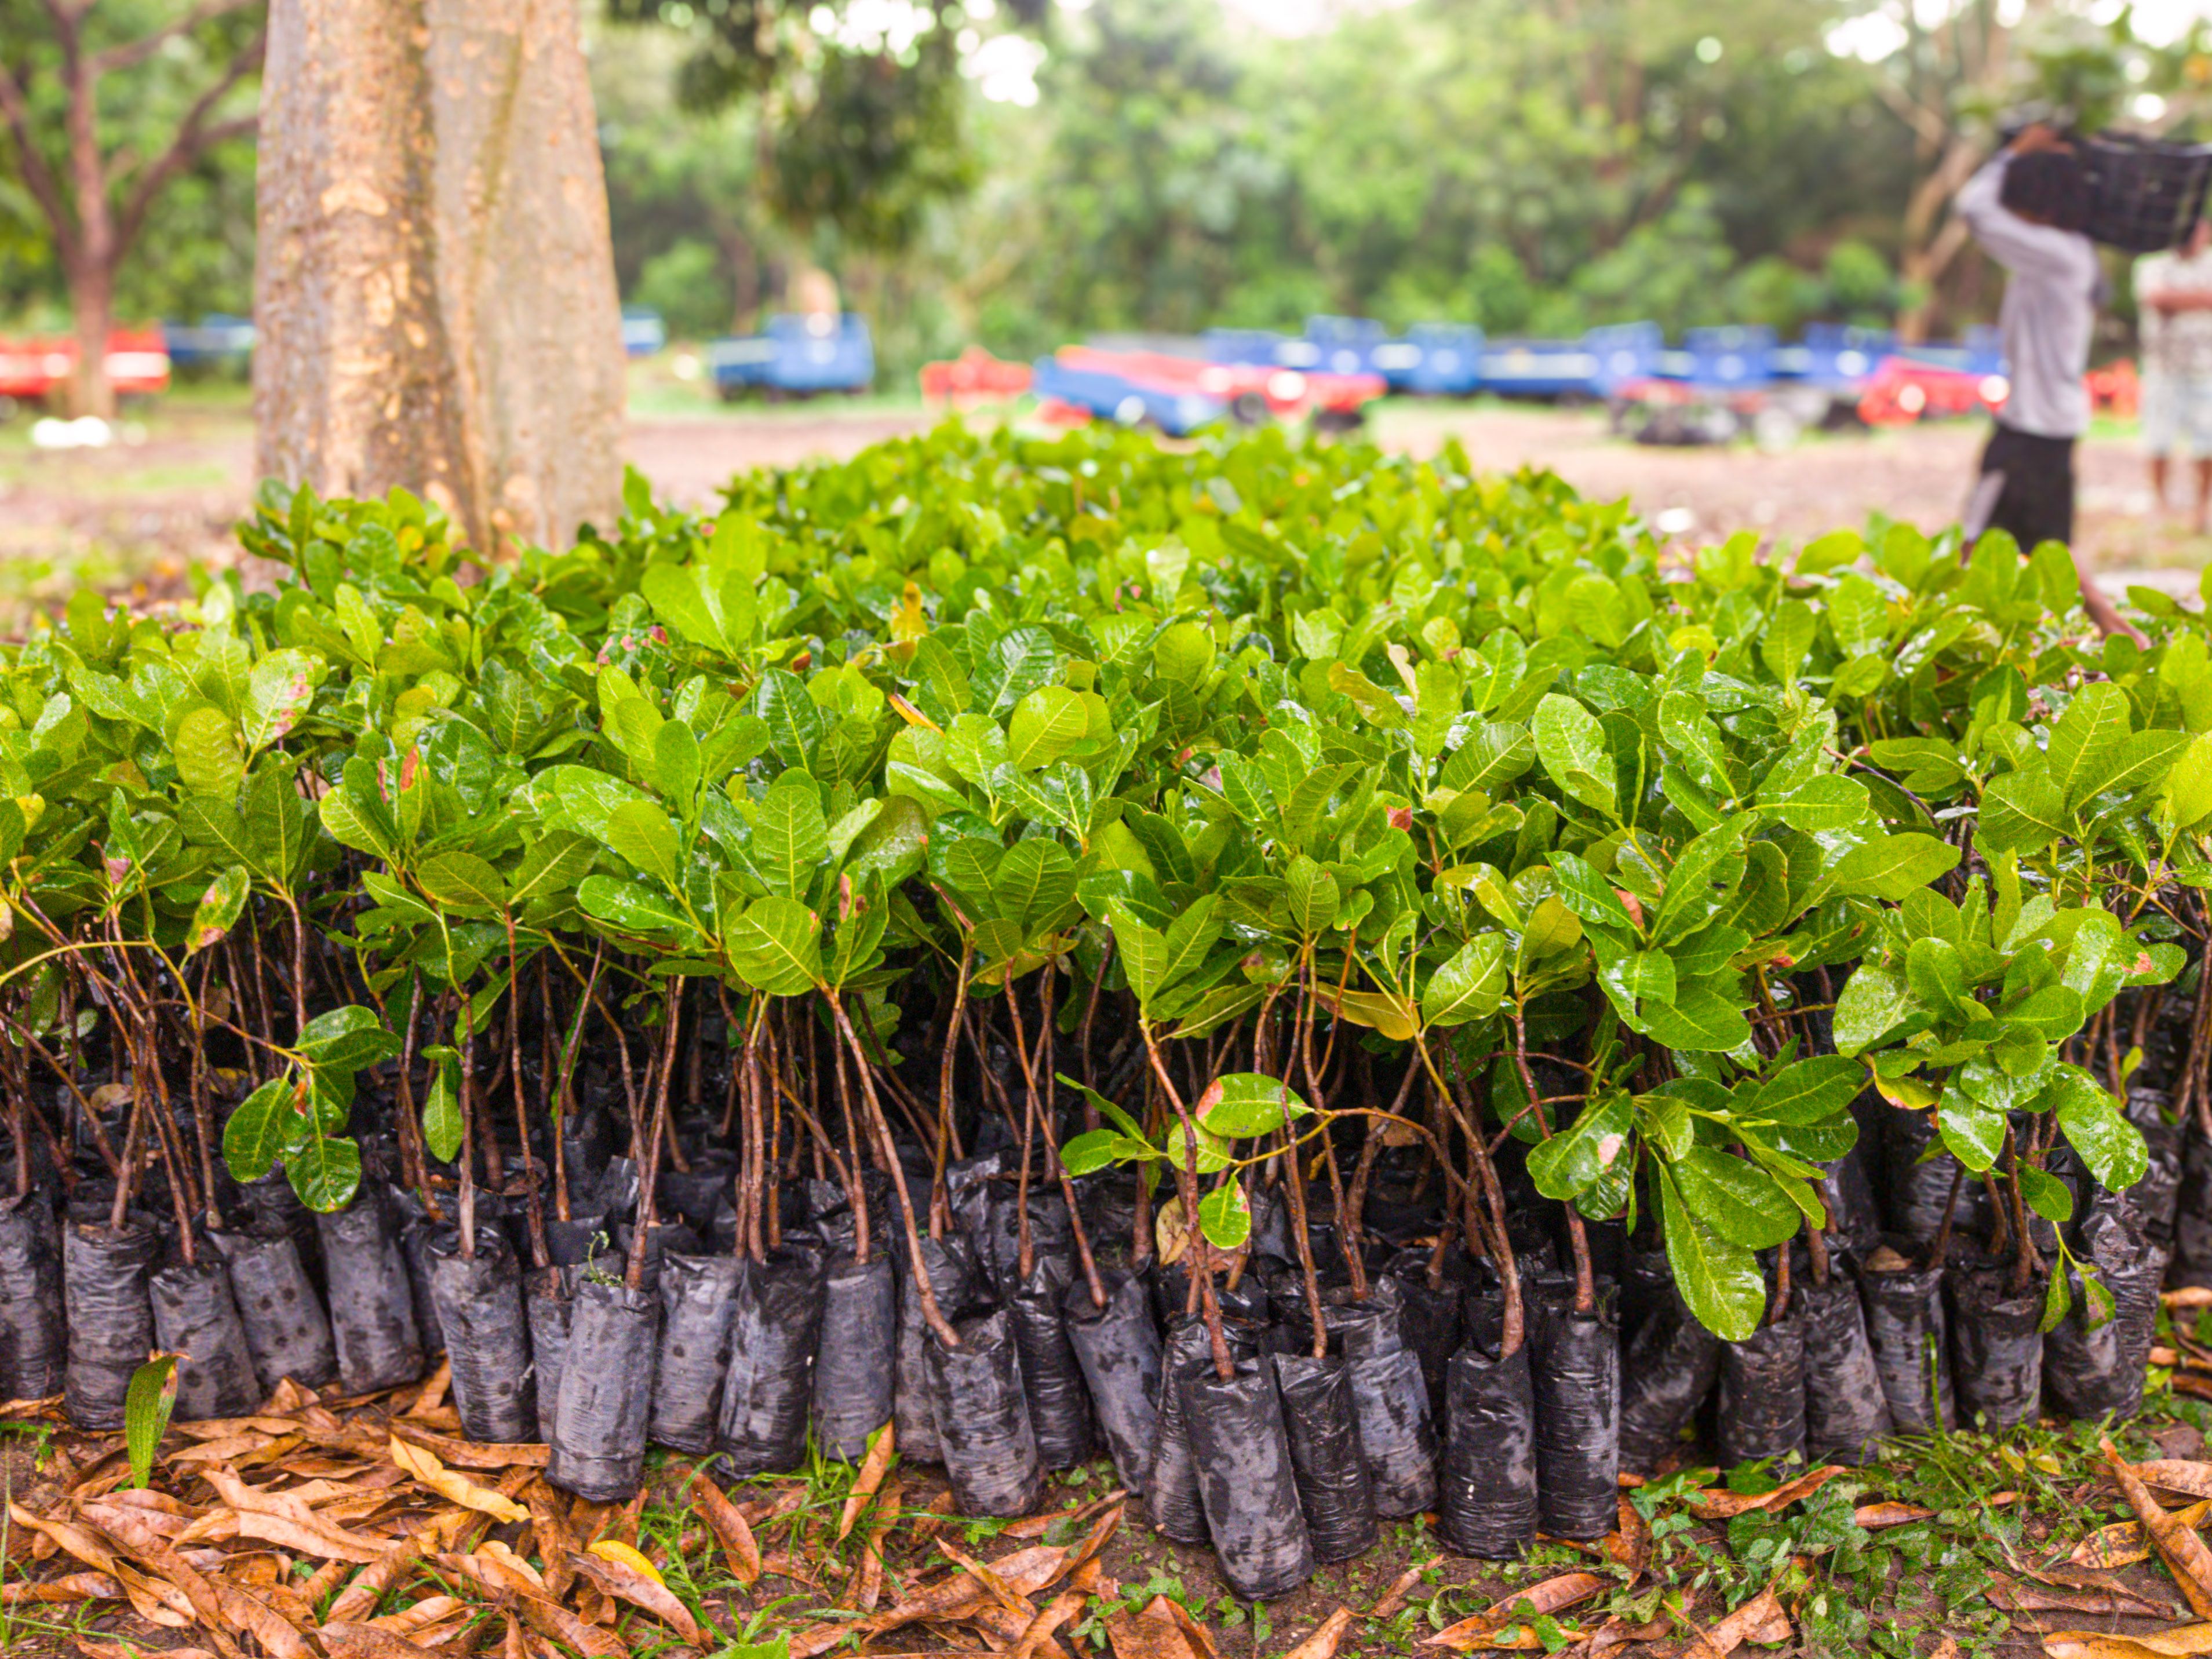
2144 195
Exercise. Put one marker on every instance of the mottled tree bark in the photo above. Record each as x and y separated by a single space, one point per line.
435 293
526 264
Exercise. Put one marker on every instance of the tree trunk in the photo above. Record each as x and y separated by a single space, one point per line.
526 271
92 303
92 272
435 288
353 387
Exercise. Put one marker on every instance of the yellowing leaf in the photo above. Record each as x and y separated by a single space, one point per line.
426 1470
613 1549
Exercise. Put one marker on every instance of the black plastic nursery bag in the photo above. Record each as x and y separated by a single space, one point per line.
1335 1491
104 1273
33 1334
287 1330
606 1392
697 1296
486 1335
1120 1350
1486 1497
983 1420
775 1325
1246 1478
856 1369
372 1305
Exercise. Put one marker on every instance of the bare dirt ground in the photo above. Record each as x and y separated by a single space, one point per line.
137 514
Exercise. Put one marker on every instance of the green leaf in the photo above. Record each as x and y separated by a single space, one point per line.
278 693
1974 1132
630 907
1893 866
1808 1091
1720 1281
1225 1218
2022 812
1311 898
1571 745
347 1039
643 834
1244 1104
2091 1120
2047 1196
1086 1154
2083 741
1590 896
1047 723
1144 952
258 1131
325 1172
1576 1158
1470 986
776 947
147 1404
206 751
218 909
1035 885
461 881
791 836
1737 1200
441 1114
674 770
2188 793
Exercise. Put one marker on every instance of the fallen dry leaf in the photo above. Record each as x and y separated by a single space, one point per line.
1153 1632
432 1392
249 1613
1629 1544
1872 1517
69 1587
2188 1296
630 1576
2108 1600
91 1649
883 1445
1547 1597
472 1454
739 1548
2176 1475
1322 1643
1037 1636
2181 1549
555 1539
2123 1543
1761 1620
358 1597
346 1640
1400 1587
2180 1644
426 1470
1036 1526
1724 1506
426 1614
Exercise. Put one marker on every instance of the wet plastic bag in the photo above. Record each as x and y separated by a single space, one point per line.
1575 1373
1120 1350
33 1337
1762 1404
856 1369
1909 1336
775 1326
372 1304
2094 1368
1666 1373
287 1330
982 1418
951 1279
1997 1347
196 1317
486 1335
1846 1412
1486 1492
1335 1491
1246 1479
549 1300
1391 1399
105 1275
606 1393
1059 1403
1173 1500
697 1293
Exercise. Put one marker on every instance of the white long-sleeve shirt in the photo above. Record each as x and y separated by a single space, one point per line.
2049 306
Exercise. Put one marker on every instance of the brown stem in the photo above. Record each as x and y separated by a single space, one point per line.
940 1200
649 1203
1942 1245
1577 1238
533 1198
468 1105
1194 1242
932 1314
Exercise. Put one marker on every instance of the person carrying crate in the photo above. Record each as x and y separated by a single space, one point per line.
2025 207
2174 296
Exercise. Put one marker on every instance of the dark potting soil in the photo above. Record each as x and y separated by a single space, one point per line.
698 1295
1334 1491
982 1419
2192 1222
1487 1490
196 1318
34 1336
606 1392
487 1333
775 1326
1120 1350
287 1330
856 1370
1997 1347
104 1273
549 1301
372 1301
1052 1374
1575 1372
1762 1400
1846 1413
1246 1479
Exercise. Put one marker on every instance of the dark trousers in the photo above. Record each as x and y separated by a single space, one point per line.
2026 487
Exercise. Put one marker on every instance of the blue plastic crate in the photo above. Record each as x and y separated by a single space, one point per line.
643 333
